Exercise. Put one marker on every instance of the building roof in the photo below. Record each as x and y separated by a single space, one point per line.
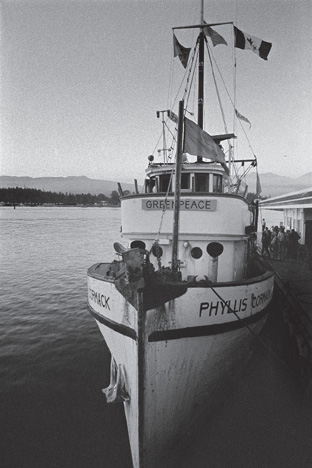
300 199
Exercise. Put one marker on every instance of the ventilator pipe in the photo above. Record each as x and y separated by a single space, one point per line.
213 269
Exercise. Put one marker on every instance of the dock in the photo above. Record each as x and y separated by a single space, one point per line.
293 294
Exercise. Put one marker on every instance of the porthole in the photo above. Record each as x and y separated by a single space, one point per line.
137 244
215 249
157 251
196 252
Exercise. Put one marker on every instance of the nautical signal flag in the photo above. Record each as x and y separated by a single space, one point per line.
258 186
199 143
215 37
172 116
256 45
180 51
242 117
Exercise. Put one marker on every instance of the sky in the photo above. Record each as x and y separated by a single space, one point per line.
81 81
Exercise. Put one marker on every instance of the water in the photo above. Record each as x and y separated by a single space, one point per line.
272 218
54 363
53 359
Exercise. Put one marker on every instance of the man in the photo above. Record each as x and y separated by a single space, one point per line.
293 244
281 242
266 241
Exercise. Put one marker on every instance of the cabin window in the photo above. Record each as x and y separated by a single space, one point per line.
185 182
217 183
164 183
201 182
215 249
196 252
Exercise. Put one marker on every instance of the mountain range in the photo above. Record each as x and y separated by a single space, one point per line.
70 184
272 184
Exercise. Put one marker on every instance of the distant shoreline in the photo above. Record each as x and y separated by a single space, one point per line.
59 206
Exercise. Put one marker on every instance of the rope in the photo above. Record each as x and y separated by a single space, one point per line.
163 213
231 100
216 86
258 338
190 76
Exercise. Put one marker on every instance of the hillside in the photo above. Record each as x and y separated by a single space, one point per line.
272 184
72 185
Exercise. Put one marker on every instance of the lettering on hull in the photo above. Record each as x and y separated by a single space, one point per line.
100 299
220 308
260 299
237 305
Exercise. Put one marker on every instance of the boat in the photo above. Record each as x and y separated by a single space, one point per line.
182 301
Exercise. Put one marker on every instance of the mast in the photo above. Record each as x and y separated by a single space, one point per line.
175 235
201 40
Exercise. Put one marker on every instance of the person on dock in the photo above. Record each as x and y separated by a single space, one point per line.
274 246
263 225
281 243
293 244
266 242
287 244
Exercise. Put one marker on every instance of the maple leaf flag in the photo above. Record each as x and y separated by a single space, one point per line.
256 45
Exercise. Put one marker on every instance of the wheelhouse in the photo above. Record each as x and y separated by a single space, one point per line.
195 178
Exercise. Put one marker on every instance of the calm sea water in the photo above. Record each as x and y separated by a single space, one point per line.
54 363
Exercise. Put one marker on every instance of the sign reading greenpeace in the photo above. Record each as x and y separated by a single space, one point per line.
186 204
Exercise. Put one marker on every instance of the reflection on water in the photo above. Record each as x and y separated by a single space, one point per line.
54 363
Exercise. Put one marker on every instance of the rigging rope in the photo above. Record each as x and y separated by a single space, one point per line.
189 80
216 86
156 240
231 100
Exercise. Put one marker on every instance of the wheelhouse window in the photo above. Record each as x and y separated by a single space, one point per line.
201 182
164 181
150 185
185 182
217 183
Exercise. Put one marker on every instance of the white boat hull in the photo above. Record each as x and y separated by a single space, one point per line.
177 356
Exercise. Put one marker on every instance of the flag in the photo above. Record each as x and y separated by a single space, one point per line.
172 116
180 51
241 117
215 37
258 187
199 143
246 41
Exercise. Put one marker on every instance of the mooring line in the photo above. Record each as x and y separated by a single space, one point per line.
261 341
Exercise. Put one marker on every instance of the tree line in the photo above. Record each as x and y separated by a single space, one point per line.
33 197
